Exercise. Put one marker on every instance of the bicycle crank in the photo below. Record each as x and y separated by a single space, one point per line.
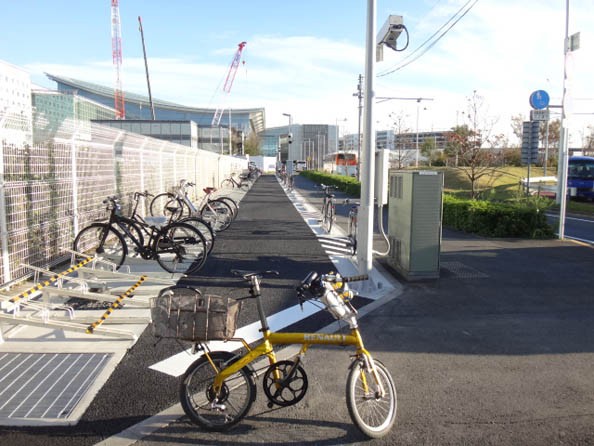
285 383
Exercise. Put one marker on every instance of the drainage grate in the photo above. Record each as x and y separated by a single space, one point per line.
463 271
46 385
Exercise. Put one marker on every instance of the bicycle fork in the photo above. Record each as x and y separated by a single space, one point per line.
369 366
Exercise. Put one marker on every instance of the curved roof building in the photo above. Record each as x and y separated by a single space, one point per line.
138 107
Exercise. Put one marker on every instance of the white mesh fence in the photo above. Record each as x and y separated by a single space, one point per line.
51 189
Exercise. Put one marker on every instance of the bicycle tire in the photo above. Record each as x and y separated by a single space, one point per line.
205 229
180 248
328 217
160 203
196 395
92 240
227 183
373 416
218 214
244 185
352 232
232 204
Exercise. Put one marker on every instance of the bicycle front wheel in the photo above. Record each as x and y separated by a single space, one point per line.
231 203
211 411
204 228
101 240
352 231
328 217
373 414
166 204
180 248
227 184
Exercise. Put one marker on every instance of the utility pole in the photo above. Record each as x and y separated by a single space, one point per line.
359 94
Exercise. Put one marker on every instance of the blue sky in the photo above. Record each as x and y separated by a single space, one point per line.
304 57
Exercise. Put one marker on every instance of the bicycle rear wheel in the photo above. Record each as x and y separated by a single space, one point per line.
180 248
372 414
101 240
218 214
199 401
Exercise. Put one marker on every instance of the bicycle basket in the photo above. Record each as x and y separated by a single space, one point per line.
184 313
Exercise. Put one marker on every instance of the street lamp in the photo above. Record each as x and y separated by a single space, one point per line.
289 138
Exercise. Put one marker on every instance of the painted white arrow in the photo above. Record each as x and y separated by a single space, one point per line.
177 364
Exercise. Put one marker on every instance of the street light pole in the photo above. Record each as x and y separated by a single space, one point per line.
365 228
289 154
338 131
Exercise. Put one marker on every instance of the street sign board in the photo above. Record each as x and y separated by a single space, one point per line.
539 99
539 115
529 151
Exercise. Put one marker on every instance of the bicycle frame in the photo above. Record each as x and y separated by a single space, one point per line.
270 339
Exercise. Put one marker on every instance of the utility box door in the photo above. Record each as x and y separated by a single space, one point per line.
414 222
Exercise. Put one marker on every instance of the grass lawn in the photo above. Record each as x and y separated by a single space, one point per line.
503 184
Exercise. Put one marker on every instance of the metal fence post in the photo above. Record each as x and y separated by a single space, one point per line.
3 223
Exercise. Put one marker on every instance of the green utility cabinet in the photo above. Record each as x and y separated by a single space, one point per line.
414 222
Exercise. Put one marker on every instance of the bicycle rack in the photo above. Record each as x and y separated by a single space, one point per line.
96 280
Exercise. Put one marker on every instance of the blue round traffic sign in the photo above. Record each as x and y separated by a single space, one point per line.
539 99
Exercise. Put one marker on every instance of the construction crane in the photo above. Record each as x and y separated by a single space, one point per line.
216 119
148 81
116 48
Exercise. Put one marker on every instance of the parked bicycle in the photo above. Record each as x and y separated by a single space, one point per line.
232 183
328 207
352 221
177 247
197 222
218 212
219 388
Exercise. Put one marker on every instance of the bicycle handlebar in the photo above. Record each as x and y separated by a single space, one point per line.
146 193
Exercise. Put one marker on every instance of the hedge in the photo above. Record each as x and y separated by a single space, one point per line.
348 185
524 219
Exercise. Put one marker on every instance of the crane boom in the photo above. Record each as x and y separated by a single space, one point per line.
216 119
116 48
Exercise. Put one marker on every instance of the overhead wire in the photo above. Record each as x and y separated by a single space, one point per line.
455 18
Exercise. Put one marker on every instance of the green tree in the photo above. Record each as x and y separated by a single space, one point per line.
466 145
251 145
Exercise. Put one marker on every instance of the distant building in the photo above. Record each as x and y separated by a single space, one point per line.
55 112
138 107
309 142
187 133
16 122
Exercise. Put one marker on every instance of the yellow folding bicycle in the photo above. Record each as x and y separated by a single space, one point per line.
219 388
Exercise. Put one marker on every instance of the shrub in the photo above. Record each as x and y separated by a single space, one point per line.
348 185
521 219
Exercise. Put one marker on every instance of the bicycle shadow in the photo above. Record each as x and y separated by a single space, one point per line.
257 430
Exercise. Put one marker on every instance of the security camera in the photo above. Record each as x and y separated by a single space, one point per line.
388 34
